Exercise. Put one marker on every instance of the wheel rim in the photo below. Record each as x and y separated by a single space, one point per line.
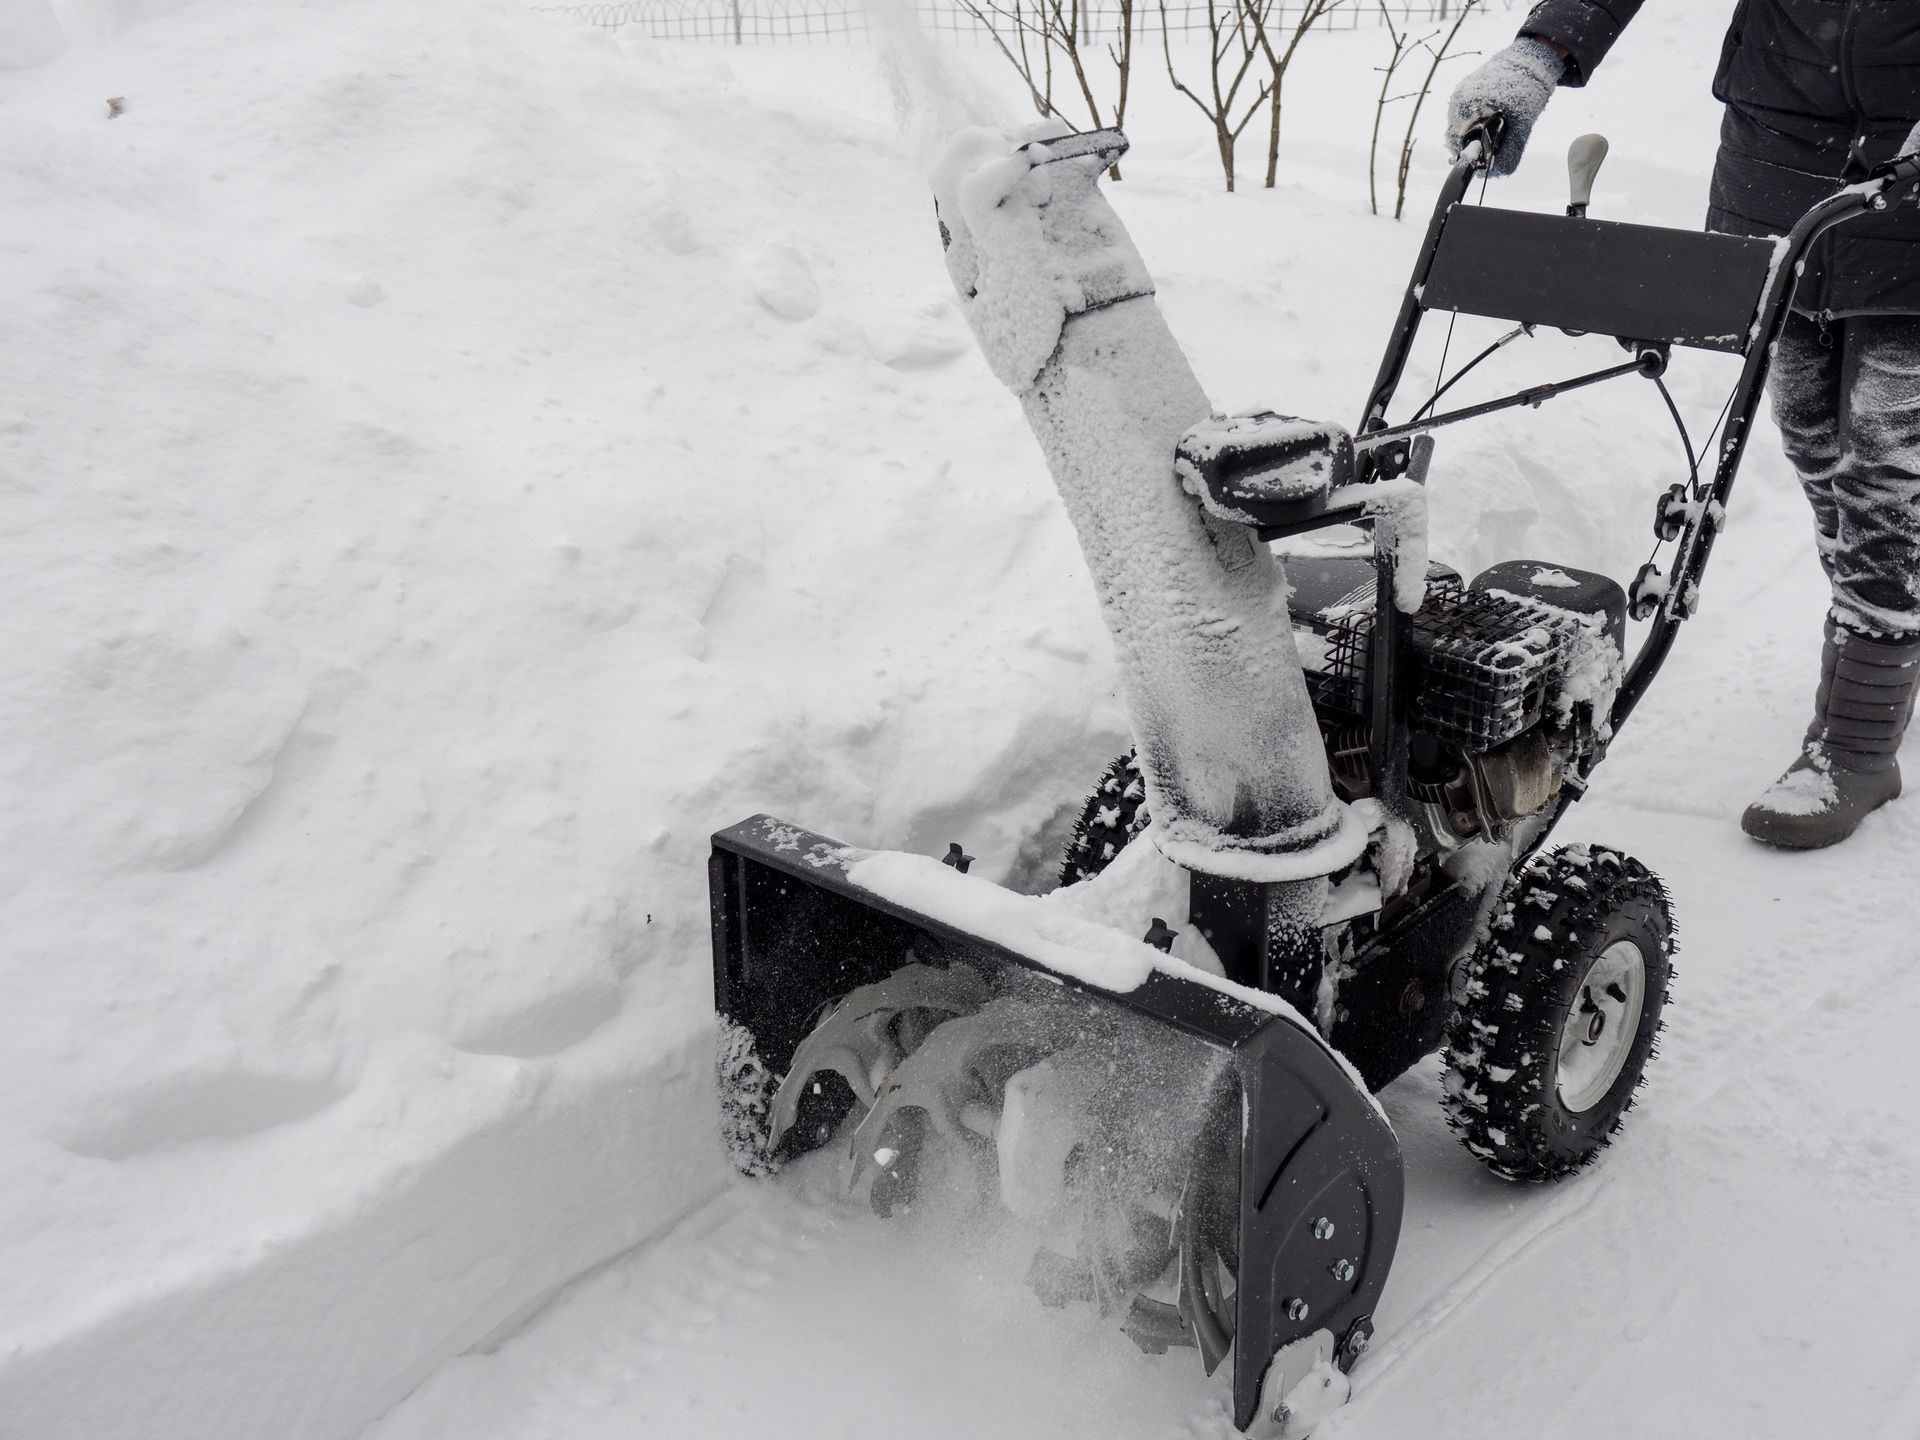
1598 1034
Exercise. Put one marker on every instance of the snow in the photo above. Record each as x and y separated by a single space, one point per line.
1592 674
1399 511
1307 474
1592 667
1280 858
1139 886
1041 928
744 1088
1025 924
1801 792
1780 248
1357 894
1019 271
1040 1123
367 713
430 514
1316 651
1655 587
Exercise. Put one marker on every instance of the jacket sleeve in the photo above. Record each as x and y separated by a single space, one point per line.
1585 29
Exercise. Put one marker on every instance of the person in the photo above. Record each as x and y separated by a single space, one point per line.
1817 92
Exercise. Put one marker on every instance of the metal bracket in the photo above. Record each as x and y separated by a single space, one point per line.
1293 1398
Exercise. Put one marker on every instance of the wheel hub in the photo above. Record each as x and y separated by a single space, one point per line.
1599 1033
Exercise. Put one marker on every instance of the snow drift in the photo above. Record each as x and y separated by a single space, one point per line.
423 527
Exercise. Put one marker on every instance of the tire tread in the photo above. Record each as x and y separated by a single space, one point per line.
1501 1055
1115 813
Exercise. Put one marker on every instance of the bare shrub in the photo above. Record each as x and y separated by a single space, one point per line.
1034 35
1234 28
1278 59
1403 46
1467 7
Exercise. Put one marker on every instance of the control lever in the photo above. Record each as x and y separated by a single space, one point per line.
1583 165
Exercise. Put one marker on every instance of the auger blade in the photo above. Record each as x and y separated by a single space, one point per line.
1203 1237
1110 1272
1125 1246
896 1181
1203 1306
870 1031
1155 1326
1059 1280
961 1068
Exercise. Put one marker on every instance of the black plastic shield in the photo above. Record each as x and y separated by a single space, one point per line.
1638 282
1320 1173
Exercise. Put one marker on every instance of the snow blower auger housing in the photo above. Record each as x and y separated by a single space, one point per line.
1314 1188
1449 724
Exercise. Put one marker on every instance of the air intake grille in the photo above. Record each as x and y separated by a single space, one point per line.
1485 663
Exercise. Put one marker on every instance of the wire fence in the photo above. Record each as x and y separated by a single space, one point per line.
745 22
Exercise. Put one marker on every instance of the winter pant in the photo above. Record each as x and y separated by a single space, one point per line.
1846 396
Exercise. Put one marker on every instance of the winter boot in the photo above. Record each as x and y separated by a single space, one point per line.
1849 767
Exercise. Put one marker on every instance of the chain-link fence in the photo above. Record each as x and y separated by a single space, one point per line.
741 22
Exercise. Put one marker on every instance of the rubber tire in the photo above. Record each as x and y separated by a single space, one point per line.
1114 814
1516 993
744 1089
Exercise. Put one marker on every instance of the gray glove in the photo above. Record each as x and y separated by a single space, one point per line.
1514 85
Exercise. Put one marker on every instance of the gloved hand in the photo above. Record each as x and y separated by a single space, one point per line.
1514 85
1911 145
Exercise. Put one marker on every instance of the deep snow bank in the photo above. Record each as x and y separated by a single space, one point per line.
450 467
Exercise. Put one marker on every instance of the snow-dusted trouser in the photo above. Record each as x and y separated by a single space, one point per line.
1846 396
1062 307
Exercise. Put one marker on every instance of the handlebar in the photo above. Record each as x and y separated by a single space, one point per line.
1901 170
1483 141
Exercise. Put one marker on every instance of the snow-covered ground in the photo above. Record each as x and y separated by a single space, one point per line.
454 461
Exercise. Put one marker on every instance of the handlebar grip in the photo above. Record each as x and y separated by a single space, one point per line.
1490 130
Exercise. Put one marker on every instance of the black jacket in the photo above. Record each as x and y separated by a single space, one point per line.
1817 92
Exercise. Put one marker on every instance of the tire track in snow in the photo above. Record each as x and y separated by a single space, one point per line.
783 1304
631 1327
1766 977
1438 1317
1902 1421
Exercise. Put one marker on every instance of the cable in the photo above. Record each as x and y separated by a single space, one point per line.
1440 388
1720 420
1686 440
1694 491
1446 345
1461 373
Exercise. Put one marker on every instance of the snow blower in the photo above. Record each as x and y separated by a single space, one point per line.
1353 785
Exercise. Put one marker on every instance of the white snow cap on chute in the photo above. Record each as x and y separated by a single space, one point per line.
1021 264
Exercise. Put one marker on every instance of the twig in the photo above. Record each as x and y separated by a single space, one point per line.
1380 106
1467 7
